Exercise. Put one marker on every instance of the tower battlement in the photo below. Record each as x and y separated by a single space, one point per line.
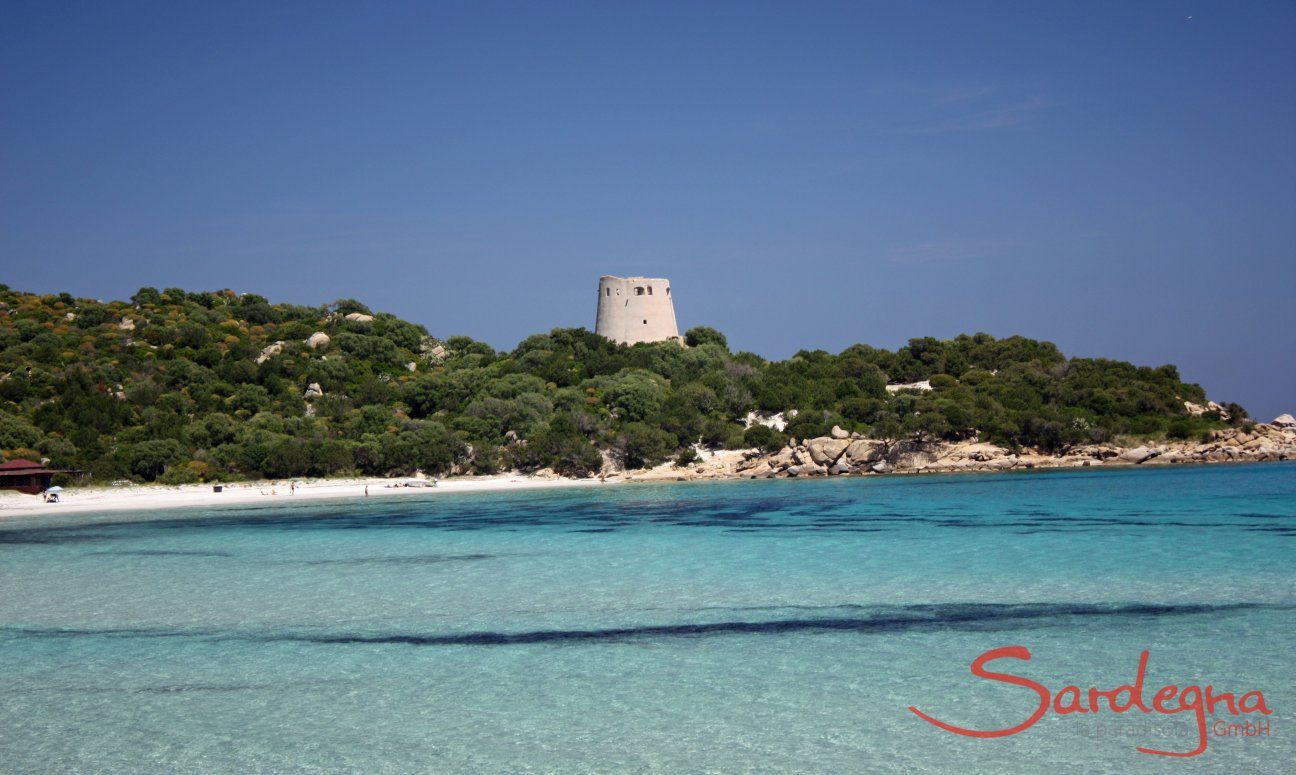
635 309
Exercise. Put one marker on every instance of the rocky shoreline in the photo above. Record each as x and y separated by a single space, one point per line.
845 454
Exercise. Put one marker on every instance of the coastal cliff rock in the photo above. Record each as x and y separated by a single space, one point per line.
1138 455
825 451
864 452
808 469
910 453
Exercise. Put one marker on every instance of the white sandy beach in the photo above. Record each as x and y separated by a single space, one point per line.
83 500
140 497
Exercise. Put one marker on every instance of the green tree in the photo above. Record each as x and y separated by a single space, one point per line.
561 446
146 297
765 438
17 432
634 394
641 446
347 306
147 459
700 335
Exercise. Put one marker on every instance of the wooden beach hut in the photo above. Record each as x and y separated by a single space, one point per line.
26 476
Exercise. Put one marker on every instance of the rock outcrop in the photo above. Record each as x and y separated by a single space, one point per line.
776 421
270 351
863 452
921 387
1138 455
1210 406
832 456
317 340
826 451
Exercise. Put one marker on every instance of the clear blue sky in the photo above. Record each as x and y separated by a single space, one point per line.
1119 178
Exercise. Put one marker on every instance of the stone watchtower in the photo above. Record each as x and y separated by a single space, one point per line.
635 309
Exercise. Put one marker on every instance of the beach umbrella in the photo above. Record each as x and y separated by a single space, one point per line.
55 488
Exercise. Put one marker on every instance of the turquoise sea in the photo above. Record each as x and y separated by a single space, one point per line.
751 626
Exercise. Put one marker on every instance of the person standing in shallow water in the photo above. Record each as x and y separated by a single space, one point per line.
366 491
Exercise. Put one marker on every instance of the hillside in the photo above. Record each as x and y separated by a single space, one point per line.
184 387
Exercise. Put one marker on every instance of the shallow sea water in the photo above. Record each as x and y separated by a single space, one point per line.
753 626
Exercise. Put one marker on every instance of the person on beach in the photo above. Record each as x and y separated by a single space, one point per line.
366 491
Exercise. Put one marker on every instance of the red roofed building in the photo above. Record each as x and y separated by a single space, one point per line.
25 476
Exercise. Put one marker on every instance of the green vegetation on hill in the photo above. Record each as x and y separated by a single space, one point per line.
184 387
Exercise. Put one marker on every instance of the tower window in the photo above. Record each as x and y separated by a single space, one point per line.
618 291
650 290
639 290
668 290
645 322
609 291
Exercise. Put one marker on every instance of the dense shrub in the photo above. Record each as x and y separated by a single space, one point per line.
764 438
700 335
640 445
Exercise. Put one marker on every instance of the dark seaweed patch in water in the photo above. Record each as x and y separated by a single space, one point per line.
187 688
418 559
50 535
917 617
866 620
160 553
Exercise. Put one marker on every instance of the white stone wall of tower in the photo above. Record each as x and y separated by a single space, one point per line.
635 309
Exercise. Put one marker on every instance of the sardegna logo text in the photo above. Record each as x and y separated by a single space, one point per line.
1168 700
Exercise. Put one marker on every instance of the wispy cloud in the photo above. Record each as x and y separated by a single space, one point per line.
1010 115
953 95
947 251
